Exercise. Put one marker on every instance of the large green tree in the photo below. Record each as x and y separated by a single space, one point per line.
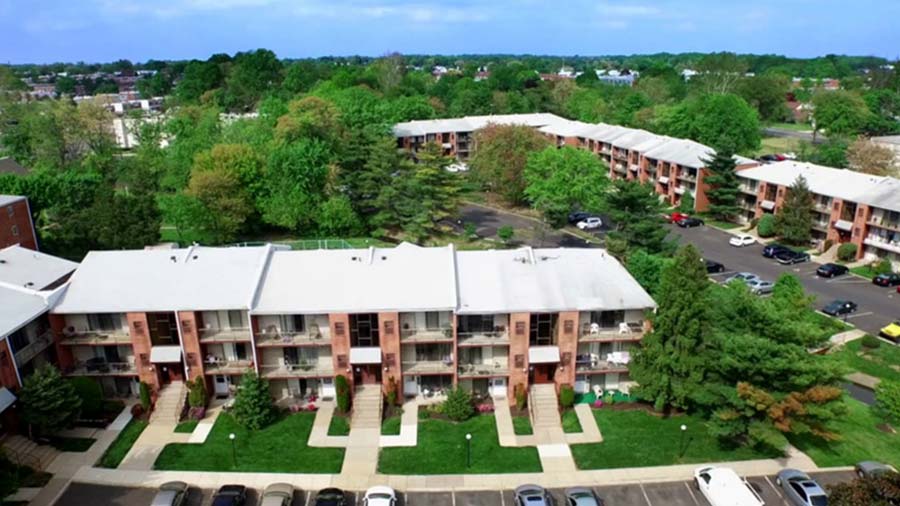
721 120
724 185
561 180
295 184
636 213
501 153
49 403
432 193
253 406
224 204
794 219
839 112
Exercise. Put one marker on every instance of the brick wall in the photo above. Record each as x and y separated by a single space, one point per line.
8 377
139 328
17 227
567 337
190 340
389 328
63 353
340 344
518 352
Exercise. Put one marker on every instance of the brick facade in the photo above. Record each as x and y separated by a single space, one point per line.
567 339
16 226
519 324
340 344
389 330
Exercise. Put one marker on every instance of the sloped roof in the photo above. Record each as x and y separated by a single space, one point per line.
18 306
634 138
472 123
5 200
32 269
687 153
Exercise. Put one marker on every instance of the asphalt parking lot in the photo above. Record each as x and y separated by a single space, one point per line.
679 493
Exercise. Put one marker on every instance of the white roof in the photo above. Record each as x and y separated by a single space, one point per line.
526 279
196 278
876 191
18 306
633 138
365 355
9 199
472 123
543 355
609 133
32 269
687 153
407 277
7 399
165 354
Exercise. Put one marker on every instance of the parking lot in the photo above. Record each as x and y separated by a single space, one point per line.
681 493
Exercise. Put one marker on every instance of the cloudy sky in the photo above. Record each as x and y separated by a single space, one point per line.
105 30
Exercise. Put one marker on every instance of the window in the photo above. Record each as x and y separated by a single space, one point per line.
799 490
432 320
476 324
11 211
293 323
19 339
106 322
364 329
15 230
236 320
543 328
240 351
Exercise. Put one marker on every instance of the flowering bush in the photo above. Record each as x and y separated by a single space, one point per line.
197 413
598 404
485 408
295 408
311 407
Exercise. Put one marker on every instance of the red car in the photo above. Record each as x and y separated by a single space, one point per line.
676 217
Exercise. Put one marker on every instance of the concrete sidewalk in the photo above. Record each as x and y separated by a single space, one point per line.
409 427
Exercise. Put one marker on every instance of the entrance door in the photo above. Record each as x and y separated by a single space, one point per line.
369 374
543 373
170 372
221 385
498 387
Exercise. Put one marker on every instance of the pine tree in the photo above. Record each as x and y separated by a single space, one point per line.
434 193
49 402
794 219
670 366
381 187
724 186
637 212
253 406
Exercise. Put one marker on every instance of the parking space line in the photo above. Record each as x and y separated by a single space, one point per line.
502 499
857 315
453 497
646 497
308 493
777 492
688 487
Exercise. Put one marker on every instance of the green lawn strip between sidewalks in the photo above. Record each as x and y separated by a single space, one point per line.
187 426
522 426
339 426
882 362
122 444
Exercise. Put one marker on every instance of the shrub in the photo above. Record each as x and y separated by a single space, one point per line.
566 396
887 399
391 395
883 266
197 397
49 402
253 407
458 405
505 233
137 411
521 396
91 395
342 391
470 230
145 397
871 342
766 226
828 244
847 252
197 413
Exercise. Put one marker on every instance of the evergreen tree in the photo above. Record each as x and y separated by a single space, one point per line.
433 193
253 406
637 213
670 367
49 403
382 184
794 219
724 186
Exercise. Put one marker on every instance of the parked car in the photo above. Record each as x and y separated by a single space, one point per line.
891 331
172 493
277 494
380 496
714 267
590 223
230 495
721 486
760 287
742 240
330 497
580 496
892 279
577 216
870 468
840 307
532 495
770 250
746 277
675 217
791 257
832 270
689 222
799 489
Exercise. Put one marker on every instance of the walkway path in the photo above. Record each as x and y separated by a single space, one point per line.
409 427
361 458
318 436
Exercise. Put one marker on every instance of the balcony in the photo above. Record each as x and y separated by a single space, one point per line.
498 337
426 335
886 224
821 226
684 176
881 243
227 366
749 190
95 338
100 367
630 331
428 367
483 370
33 348
208 336
592 364
620 168
302 370
283 339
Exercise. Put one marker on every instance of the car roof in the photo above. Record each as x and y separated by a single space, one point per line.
811 487
164 498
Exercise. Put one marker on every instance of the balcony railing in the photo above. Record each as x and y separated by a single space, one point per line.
428 367
227 366
95 338
276 338
33 348
821 226
882 243
95 367
426 334
890 225
748 189
499 337
684 176
469 370
309 370
587 365
224 335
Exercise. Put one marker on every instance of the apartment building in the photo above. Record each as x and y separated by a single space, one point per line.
424 319
675 167
16 226
849 206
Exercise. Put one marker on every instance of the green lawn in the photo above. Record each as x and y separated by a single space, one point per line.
72 444
777 145
828 326
794 127
638 439
570 421
390 426
877 362
442 450
860 440
187 426
339 426
865 271
123 442
278 448
522 426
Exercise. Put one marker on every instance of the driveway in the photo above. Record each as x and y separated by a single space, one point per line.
532 232
877 306
806 136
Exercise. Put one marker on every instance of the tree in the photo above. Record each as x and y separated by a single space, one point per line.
342 393
765 93
560 180
389 70
379 188
866 156
766 227
49 402
198 78
880 490
794 219
721 120
500 157
433 193
887 400
720 72
670 366
310 117
636 213
253 407
90 394
295 183
223 202
724 185
252 74
123 221
458 405
839 112
647 269
157 85
338 219
831 153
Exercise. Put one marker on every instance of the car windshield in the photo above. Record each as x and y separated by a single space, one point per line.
379 496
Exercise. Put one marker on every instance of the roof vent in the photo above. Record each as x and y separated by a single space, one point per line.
173 259
383 257
29 284
195 257
2 261
354 259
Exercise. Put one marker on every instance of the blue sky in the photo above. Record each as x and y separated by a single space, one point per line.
106 30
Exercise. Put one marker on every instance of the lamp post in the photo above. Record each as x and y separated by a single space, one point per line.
233 452
681 447
468 450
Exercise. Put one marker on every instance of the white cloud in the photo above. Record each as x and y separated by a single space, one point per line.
629 10
411 12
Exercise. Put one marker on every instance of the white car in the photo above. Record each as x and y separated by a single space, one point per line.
380 496
742 240
590 223
457 167
721 486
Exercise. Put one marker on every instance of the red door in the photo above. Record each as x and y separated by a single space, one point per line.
543 373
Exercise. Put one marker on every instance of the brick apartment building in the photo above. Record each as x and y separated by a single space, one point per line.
16 226
674 167
426 318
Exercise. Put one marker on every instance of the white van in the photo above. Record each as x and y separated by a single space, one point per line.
723 487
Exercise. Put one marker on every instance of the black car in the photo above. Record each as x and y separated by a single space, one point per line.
230 495
713 267
577 216
892 279
773 249
330 497
790 257
832 270
689 222
840 307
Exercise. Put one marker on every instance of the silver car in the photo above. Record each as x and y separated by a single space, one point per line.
277 494
171 493
746 277
799 489
870 468
580 496
532 495
760 287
